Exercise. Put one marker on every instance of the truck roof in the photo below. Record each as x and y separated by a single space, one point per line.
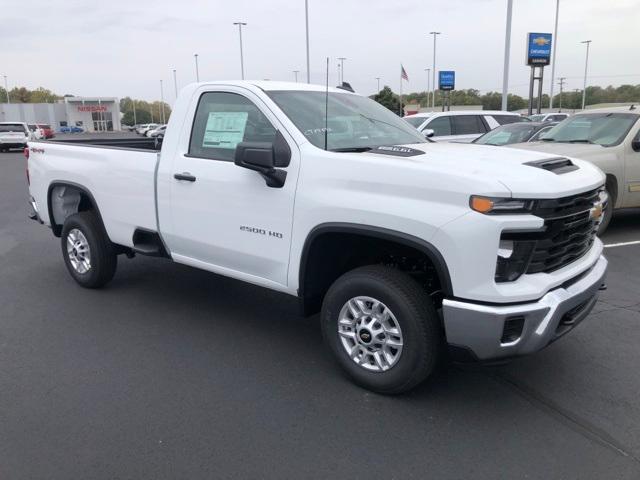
626 109
268 85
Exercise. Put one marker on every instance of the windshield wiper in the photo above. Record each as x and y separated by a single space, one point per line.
581 140
351 149
547 139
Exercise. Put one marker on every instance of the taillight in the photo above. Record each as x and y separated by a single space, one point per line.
26 155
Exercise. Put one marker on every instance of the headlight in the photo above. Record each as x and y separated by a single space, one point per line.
494 205
513 259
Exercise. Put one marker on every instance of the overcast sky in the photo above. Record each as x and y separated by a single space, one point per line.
123 48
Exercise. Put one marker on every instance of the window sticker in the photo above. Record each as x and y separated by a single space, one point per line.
224 129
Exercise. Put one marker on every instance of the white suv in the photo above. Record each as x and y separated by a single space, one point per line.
460 126
14 135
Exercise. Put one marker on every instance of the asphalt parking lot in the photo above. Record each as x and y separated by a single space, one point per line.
171 372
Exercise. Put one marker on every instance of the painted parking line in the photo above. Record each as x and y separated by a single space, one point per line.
622 244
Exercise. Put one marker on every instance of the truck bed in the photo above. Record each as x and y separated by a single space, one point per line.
120 175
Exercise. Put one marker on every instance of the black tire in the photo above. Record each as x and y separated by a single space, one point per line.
414 311
103 258
608 212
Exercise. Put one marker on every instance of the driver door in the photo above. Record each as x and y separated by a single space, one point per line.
220 216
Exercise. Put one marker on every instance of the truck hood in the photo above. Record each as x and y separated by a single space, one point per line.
483 166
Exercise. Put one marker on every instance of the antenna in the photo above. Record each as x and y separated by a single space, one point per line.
326 107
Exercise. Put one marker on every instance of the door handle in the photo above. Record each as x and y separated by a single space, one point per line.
184 176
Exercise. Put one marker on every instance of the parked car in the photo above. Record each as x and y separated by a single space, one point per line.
156 132
514 133
460 126
71 129
404 245
14 135
142 129
608 138
548 117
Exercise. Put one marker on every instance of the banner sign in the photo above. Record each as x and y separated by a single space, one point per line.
446 80
538 49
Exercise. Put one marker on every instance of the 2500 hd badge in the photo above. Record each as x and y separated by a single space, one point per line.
260 231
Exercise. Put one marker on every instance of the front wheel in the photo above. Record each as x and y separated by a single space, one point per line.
87 251
606 215
382 328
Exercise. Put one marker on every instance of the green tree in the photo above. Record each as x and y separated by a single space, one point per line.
387 98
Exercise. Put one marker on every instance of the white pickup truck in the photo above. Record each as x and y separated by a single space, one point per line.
406 246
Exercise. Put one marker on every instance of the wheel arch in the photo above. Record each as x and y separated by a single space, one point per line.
85 201
611 183
308 292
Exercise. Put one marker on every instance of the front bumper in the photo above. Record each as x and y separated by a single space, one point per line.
478 329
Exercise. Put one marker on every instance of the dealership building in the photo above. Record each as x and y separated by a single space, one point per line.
93 114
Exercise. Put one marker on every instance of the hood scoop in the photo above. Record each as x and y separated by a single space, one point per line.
557 165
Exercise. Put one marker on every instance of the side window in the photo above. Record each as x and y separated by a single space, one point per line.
468 124
222 121
441 126
556 118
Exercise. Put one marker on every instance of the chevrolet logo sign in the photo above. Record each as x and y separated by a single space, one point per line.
540 41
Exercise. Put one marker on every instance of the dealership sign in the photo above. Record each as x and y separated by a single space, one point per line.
446 80
92 108
538 49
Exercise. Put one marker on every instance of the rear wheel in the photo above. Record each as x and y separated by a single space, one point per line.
382 328
88 253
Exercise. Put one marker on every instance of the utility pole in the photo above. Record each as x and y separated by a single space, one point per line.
378 79
306 19
6 89
561 83
586 64
240 25
295 72
554 39
428 70
162 100
433 73
342 59
195 55
507 49
135 120
175 83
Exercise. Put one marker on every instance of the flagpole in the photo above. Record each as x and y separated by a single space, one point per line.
401 112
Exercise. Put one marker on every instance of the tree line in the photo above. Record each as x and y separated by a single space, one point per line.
570 100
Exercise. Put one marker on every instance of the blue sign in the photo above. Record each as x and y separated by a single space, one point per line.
538 49
446 80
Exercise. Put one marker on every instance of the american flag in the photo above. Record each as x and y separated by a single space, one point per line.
403 73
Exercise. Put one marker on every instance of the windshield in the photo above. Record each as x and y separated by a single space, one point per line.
507 134
353 122
415 121
12 127
606 129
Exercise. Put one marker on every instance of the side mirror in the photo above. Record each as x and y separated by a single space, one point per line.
264 157
635 144
428 132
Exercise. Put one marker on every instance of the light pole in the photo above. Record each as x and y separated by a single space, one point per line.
378 79
6 89
433 73
586 64
553 57
240 25
507 49
135 120
342 59
306 20
175 83
162 100
561 83
295 72
195 56
428 70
